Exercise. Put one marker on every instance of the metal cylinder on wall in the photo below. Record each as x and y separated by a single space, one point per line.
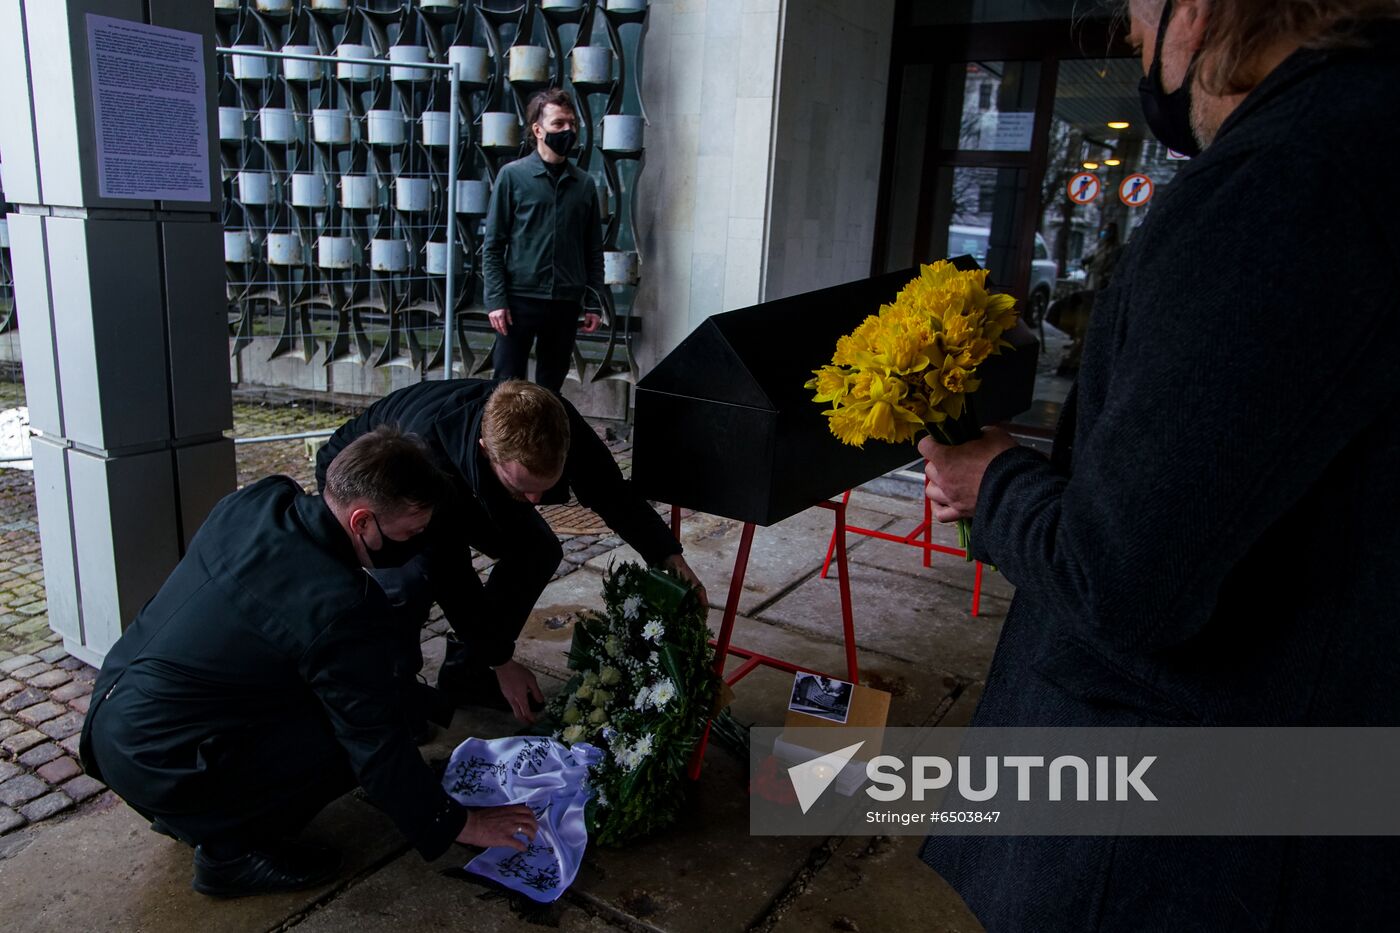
380 135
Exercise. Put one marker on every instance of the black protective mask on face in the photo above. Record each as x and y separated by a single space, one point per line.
391 553
561 142
1168 116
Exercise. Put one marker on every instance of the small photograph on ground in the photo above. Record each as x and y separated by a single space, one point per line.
825 697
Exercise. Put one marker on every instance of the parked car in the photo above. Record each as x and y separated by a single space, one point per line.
972 241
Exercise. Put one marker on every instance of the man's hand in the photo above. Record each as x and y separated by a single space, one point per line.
591 322
500 320
677 563
518 685
500 826
955 473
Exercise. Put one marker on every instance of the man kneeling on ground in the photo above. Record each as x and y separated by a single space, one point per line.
507 448
272 673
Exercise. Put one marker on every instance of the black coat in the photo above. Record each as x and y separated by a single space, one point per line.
267 616
447 416
1216 537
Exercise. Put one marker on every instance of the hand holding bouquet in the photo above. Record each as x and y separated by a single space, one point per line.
912 366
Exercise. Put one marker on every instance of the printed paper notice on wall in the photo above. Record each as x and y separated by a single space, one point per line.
149 113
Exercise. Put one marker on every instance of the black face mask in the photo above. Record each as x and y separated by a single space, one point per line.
1169 115
391 553
562 142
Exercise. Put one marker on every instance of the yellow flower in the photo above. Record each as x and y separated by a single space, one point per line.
830 383
914 362
848 424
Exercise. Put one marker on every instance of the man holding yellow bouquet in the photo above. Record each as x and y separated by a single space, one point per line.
1214 540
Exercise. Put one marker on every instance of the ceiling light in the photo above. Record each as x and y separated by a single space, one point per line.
1112 162
1091 165
1119 124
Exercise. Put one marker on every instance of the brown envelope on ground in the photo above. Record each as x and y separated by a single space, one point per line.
832 714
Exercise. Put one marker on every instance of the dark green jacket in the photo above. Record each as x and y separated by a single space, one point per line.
543 239
269 611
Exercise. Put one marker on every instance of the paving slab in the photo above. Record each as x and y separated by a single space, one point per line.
544 641
959 714
105 870
706 873
925 622
410 894
782 555
946 569
909 509
873 884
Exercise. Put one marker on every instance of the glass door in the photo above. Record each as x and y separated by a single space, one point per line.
1022 145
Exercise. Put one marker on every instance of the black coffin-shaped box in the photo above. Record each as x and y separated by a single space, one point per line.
724 425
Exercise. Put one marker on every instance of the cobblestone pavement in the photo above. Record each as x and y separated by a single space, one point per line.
44 692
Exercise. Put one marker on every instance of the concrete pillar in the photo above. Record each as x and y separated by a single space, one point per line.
124 336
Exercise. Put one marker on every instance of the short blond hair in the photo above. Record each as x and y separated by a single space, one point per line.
526 424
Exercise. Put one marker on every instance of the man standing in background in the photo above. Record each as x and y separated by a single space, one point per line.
543 247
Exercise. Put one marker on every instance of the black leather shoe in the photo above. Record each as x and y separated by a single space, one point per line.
286 866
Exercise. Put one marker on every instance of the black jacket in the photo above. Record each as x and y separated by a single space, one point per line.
544 236
269 611
1216 538
447 415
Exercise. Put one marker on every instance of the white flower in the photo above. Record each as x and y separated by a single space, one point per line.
590 678
643 747
662 693
643 697
631 608
613 646
572 734
598 717
626 758
584 691
610 676
602 799
653 631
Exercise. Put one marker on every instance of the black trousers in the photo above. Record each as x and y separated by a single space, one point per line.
250 787
249 784
527 552
547 325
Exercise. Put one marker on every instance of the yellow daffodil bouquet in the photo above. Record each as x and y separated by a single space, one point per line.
912 366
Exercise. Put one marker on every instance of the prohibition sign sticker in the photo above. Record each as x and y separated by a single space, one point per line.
1136 190
1084 187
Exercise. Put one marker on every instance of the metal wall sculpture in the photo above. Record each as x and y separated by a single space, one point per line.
335 175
